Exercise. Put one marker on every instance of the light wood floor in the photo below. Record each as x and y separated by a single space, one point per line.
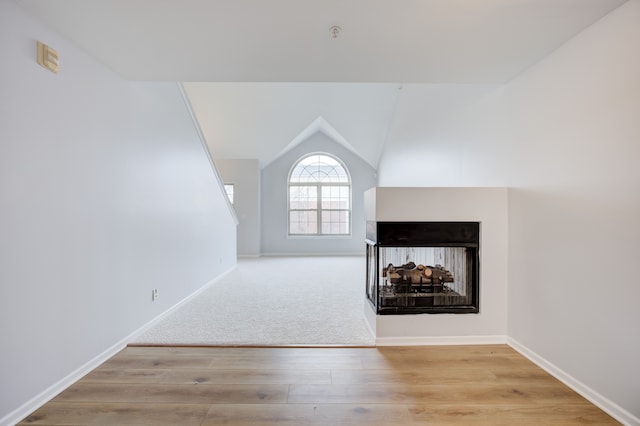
437 385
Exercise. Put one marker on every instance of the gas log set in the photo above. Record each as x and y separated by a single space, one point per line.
412 285
420 278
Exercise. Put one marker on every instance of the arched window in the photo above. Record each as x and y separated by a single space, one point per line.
319 197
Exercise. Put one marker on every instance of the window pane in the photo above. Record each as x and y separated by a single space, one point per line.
228 187
335 197
344 222
303 222
335 222
319 168
303 197
326 226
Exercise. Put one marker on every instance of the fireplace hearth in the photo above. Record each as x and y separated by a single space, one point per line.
423 267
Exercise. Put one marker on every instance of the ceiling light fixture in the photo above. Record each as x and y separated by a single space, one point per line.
335 31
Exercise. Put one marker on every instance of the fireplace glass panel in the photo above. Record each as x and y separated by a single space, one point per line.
423 267
372 272
424 276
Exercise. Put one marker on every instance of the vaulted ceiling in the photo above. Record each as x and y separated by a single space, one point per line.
264 73
264 120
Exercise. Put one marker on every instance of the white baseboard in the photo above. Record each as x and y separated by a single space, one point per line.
606 405
48 394
441 340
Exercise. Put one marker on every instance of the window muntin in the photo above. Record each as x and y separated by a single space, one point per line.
319 197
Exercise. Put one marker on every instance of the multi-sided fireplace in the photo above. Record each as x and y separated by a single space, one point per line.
423 267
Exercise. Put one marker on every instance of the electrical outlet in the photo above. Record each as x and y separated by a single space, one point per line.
154 294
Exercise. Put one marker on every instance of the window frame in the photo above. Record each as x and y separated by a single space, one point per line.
319 210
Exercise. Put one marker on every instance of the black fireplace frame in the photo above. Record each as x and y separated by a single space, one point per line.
422 234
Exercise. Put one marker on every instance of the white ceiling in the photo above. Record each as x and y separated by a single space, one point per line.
419 41
219 45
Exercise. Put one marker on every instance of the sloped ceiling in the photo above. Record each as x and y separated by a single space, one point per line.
264 120
263 72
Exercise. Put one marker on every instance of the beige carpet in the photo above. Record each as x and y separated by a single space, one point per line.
274 301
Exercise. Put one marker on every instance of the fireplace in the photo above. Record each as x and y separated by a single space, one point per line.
423 267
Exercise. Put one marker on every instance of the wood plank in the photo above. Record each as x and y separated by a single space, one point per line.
413 364
100 413
239 376
411 394
187 376
130 375
280 363
505 375
308 415
444 351
254 359
168 393
456 357
425 376
510 414
158 362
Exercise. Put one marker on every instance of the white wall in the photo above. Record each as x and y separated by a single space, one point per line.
485 205
106 193
275 239
445 135
574 122
564 137
244 174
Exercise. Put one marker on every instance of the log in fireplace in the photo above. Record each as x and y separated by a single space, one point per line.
423 267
